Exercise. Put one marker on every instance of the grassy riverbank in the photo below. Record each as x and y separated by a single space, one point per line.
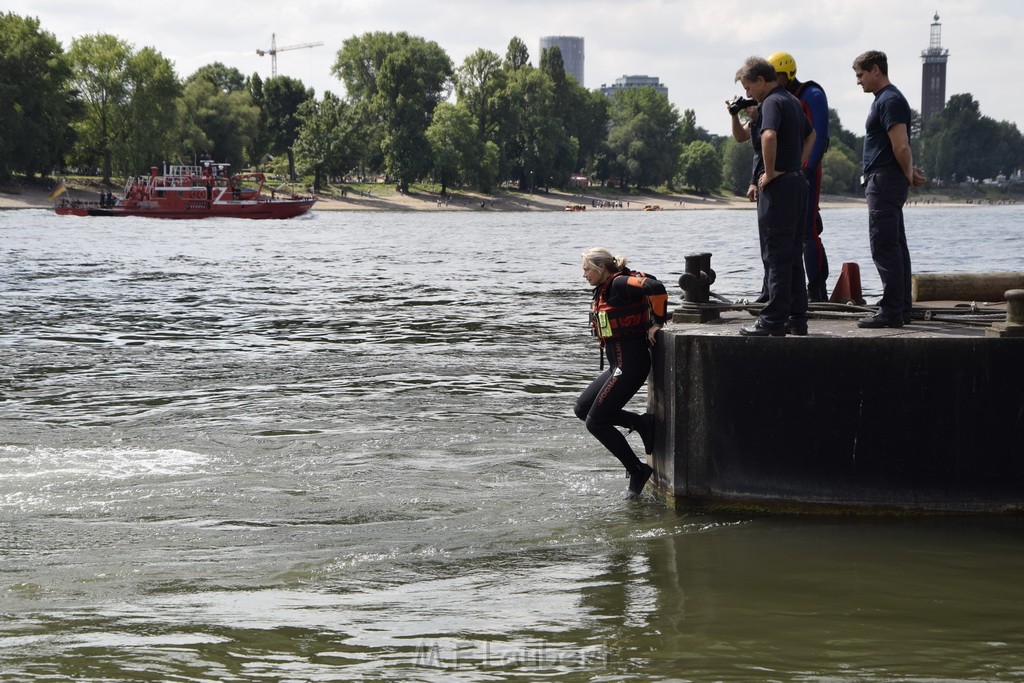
22 193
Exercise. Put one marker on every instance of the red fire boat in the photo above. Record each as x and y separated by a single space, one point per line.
203 191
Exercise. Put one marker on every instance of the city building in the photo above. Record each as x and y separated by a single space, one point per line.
572 53
933 74
633 82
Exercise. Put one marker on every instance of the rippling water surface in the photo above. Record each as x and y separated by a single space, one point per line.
342 448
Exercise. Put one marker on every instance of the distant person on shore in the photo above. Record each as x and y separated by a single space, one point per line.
815 104
786 137
889 173
627 311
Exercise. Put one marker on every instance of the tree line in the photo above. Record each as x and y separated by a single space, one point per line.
105 107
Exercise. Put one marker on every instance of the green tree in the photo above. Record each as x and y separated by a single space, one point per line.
1008 148
100 63
217 123
477 83
37 105
324 138
853 144
644 139
396 80
516 55
737 166
413 80
839 173
488 172
148 121
456 149
700 166
961 143
553 65
584 114
537 149
260 143
130 104
282 97
225 78
588 123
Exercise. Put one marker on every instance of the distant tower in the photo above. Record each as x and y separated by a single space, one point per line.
933 74
572 53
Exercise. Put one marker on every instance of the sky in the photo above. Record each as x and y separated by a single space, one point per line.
693 46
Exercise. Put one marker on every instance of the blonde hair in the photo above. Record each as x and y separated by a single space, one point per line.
602 259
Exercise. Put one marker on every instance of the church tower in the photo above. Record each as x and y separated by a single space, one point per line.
933 74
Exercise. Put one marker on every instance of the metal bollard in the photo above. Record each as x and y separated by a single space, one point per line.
696 282
1014 325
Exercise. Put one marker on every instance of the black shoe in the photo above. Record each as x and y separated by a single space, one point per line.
645 427
906 317
637 481
796 327
759 330
880 320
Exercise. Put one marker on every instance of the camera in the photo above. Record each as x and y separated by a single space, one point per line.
739 104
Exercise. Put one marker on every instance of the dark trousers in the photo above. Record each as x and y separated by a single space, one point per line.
886 191
781 213
602 403
815 259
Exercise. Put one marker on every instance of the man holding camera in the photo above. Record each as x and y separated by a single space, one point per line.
786 137
815 104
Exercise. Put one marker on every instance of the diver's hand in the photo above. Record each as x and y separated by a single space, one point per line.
651 332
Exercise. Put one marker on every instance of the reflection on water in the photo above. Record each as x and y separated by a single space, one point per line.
325 451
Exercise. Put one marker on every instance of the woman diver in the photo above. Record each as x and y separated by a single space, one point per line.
628 310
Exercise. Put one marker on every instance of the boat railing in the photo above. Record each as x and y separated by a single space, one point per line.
180 171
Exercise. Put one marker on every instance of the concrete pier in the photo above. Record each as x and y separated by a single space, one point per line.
924 418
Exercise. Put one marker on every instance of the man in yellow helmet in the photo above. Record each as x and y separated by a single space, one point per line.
815 104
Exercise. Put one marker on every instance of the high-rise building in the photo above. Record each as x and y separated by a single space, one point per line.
572 53
933 74
633 82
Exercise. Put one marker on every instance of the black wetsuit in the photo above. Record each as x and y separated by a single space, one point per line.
602 403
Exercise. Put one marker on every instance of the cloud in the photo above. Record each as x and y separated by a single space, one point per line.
693 46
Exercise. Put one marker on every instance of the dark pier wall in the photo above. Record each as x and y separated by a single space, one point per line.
839 423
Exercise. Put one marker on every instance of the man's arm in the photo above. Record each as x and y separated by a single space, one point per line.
769 146
817 110
904 155
740 131
808 145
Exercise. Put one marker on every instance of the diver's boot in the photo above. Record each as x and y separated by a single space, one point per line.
637 480
644 425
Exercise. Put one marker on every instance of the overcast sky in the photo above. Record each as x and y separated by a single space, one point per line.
693 46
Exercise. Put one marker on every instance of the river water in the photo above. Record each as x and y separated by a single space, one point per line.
341 448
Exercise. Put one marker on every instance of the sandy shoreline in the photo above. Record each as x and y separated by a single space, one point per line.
389 199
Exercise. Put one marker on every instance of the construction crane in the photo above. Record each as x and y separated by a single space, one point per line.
274 49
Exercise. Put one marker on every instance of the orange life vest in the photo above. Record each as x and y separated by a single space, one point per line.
616 322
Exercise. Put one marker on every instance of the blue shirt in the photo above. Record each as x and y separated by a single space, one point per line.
816 107
889 108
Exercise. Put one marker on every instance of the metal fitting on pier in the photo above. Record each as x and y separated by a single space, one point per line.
1014 325
696 282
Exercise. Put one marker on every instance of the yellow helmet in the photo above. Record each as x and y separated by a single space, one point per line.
784 64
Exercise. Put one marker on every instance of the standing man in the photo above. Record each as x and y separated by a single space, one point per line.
815 104
786 139
741 132
889 174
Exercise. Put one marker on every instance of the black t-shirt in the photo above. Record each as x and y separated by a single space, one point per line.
782 112
889 108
